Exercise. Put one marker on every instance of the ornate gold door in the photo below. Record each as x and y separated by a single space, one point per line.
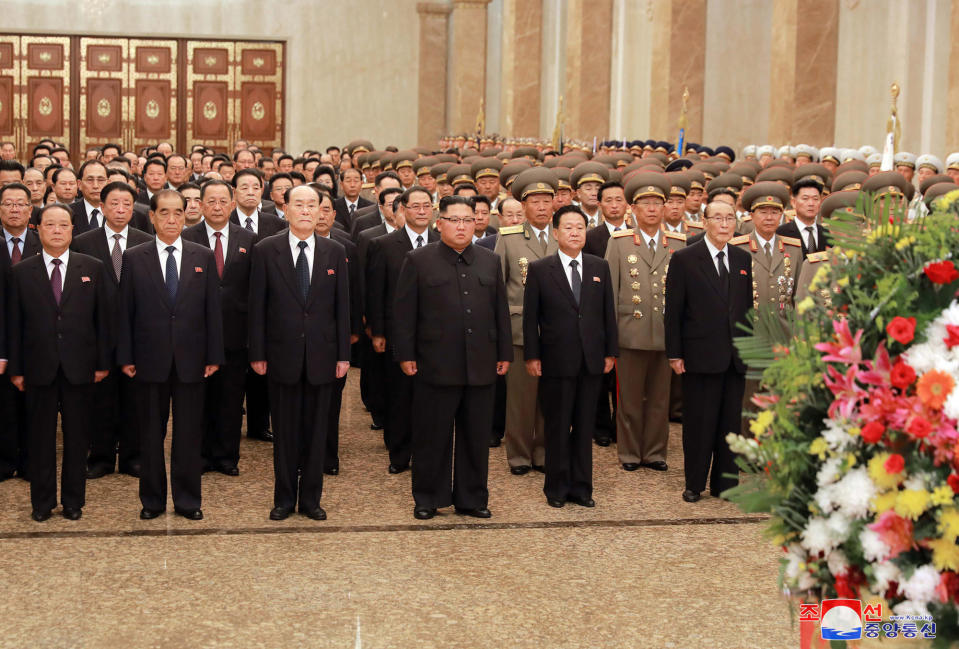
209 99
11 122
104 101
153 92
45 90
259 83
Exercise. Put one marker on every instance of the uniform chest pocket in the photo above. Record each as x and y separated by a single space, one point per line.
436 281
487 280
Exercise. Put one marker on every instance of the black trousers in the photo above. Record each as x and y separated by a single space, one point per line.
43 403
14 429
606 407
300 420
373 384
186 459
715 402
398 432
569 416
451 426
499 408
222 412
257 403
331 458
115 427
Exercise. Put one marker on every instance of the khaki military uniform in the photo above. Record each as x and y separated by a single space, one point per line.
367 192
812 264
639 288
746 225
525 442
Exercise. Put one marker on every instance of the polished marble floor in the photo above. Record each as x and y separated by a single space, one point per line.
642 569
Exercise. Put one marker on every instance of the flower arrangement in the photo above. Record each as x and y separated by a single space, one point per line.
855 451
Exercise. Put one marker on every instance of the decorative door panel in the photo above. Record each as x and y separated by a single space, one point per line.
45 89
153 84
260 86
10 122
104 105
210 112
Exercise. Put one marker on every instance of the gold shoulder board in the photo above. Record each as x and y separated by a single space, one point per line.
740 240
623 233
748 217
511 229
791 241
675 235
693 224
817 256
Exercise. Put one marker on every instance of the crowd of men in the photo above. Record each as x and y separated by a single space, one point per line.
488 292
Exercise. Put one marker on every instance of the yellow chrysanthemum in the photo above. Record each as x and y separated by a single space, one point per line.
818 278
945 554
942 495
905 242
762 422
851 458
884 502
911 503
843 282
819 447
877 471
804 305
949 523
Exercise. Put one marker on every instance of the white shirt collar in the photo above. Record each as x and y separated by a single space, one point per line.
412 235
564 259
612 228
161 247
762 242
713 251
389 228
108 231
677 228
802 228
295 242
536 231
89 208
647 238
210 230
64 259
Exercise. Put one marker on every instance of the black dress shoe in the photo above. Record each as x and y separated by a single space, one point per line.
424 513
376 425
494 441
132 469
6 475
189 514
148 514
658 465
520 470
262 435
555 503
717 493
475 513
333 470
539 467
40 516
280 513
398 468
317 513
691 496
582 502
98 470
208 467
630 466
604 441
228 469
72 514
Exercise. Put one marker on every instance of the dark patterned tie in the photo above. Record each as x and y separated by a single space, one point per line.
352 209
218 253
116 256
769 253
577 280
419 241
811 241
16 255
249 224
303 270
172 279
93 219
56 281
652 246
723 273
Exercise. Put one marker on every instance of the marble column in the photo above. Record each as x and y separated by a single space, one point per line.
802 87
467 64
952 101
678 63
521 65
431 117
588 59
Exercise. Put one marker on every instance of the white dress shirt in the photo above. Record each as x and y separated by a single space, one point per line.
592 218
9 238
309 250
89 209
389 228
177 255
713 251
647 239
241 217
678 228
412 235
536 232
805 235
124 237
48 262
224 239
564 259
762 243
612 228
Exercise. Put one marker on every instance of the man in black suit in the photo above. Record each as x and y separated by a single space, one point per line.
452 333
87 213
58 319
372 215
114 434
154 179
806 200
351 180
570 336
299 339
386 256
481 210
708 293
325 229
20 242
170 338
232 248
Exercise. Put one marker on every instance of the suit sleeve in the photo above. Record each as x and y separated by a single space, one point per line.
531 348
257 306
675 305
504 329
609 314
405 311
214 314
375 289
342 306
14 343
356 293
612 266
105 321
126 312
500 250
4 278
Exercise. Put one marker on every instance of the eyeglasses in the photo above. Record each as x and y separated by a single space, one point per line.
10 205
649 203
469 220
721 219
416 207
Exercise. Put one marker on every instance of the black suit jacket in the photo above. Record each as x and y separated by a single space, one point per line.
385 259
363 241
94 243
267 224
141 219
596 241
488 242
153 334
30 246
560 333
235 283
823 240
368 217
700 323
456 328
356 284
81 223
74 335
291 334
343 211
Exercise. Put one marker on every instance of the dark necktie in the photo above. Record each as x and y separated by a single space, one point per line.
172 279
116 256
576 280
56 281
811 241
542 239
249 224
769 254
652 246
218 253
723 273
93 218
616 229
419 241
352 209
303 270
16 255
